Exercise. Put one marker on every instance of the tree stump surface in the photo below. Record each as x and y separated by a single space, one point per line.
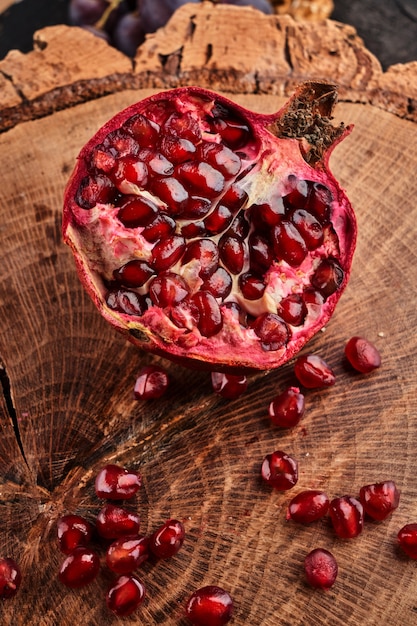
67 406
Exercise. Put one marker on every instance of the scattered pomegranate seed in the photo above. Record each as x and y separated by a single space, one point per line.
116 483
125 595
10 578
379 499
228 386
209 606
362 355
407 538
73 531
308 506
167 539
320 568
346 514
114 522
79 568
280 470
287 408
151 383
313 372
125 554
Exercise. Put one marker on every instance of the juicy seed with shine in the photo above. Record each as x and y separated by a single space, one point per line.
379 500
168 289
151 383
320 568
287 408
228 386
308 506
114 482
209 606
271 330
167 540
73 531
313 372
346 514
280 470
125 595
10 578
126 554
80 568
115 521
362 355
407 539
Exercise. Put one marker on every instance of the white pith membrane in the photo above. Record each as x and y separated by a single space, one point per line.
269 167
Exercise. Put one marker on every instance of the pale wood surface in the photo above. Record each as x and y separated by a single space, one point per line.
71 380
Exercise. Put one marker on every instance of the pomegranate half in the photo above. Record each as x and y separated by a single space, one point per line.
209 234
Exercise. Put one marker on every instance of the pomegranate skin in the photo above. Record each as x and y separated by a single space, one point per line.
230 175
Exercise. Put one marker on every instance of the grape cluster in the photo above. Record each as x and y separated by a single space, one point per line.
125 23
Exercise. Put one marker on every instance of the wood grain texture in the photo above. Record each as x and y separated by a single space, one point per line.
67 392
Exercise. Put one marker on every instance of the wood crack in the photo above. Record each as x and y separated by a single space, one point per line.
11 410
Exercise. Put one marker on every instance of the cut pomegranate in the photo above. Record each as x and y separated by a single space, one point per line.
280 470
125 554
228 386
379 499
287 408
115 521
362 355
308 506
313 372
80 568
320 568
187 200
116 483
209 606
10 578
346 514
73 531
167 539
151 383
407 538
125 595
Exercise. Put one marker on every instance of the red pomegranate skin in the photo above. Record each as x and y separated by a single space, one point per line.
201 167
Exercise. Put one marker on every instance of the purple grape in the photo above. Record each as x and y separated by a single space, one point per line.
128 34
156 13
86 12
261 5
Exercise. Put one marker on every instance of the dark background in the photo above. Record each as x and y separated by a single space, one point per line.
388 27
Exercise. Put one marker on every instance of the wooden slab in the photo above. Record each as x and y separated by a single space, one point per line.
67 406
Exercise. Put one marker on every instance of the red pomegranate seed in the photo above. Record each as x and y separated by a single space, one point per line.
288 244
218 220
240 226
362 355
220 157
116 483
232 253
80 568
287 408
313 372
308 506
73 531
327 277
235 197
196 207
177 149
251 286
234 133
129 170
407 538
114 521
126 554
271 330
202 178
121 143
167 252
309 228
102 160
173 193
210 317
142 129
160 228
94 190
319 201
168 289
379 499
134 273
194 229
346 514
260 252
185 314
10 578
137 211
184 125
280 470
228 386
151 383
158 165
293 309
125 595
219 284
298 195
320 568
125 301
209 606
167 539
205 252
265 216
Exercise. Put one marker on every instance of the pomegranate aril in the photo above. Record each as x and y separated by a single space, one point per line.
80 568
235 197
288 244
264 216
205 253
73 531
102 160
219 284
309 228
94 190
218 220
168 289
362 355
293 309
134 273
185 314
161 227
177 149
158 164
297 197
172 192
239 314
287 408
120 143
10 578
220 157
407 539
233 132
114 482
346 514
232 253
260 253
151 383
142 130
166 252
126 554
319 202
271 330
320 568
328 277
114 521
228 386
201 178
127 302
210 317
280 470
308 506
379 500
209 606
184 125
240 226
167 539
137 211
313 372
129 171
194 229
251 286
196 207
125 595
